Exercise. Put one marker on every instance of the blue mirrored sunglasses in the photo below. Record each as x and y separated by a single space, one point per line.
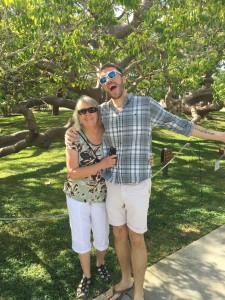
91 110
110 75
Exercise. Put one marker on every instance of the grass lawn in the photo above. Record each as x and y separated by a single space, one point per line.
36 260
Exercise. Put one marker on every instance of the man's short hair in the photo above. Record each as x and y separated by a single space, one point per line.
111 65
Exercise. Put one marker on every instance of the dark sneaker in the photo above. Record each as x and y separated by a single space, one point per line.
104 273
83 288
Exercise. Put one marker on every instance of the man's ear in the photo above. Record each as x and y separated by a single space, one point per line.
124 78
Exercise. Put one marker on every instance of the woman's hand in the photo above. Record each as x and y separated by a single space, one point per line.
108 161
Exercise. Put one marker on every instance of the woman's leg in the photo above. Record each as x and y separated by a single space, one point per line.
100 228
80 224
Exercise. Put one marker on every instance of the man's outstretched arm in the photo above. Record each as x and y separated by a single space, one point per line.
208 134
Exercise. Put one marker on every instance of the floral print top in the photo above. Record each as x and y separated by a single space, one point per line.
88 189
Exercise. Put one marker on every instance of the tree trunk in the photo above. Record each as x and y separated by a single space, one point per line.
195 116
55 110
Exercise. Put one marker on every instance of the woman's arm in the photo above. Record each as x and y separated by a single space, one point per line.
77 172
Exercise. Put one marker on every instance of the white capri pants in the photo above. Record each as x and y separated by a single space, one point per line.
84 218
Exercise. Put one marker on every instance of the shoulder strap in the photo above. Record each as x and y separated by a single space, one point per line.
86 141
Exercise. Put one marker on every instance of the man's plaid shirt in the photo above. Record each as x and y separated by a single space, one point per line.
130 132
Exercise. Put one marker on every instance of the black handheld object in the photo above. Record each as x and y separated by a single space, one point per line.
112 151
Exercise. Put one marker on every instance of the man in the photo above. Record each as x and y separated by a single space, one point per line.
128 121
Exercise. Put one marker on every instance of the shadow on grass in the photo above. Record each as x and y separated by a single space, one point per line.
181 212
28 192
26 273
37 262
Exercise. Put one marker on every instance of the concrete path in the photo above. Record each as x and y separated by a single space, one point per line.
196 272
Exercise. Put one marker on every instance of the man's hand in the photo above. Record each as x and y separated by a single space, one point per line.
71 136
151 160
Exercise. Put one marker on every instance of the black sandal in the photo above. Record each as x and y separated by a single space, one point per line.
83 288
104 273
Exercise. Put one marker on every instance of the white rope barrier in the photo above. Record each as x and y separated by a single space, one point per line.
33 218
221 156
187 145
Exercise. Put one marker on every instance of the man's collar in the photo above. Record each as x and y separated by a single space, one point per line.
128 98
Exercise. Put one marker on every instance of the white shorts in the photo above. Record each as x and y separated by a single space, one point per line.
84 218
128 204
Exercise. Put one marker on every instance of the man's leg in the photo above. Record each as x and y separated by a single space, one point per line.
136 200
122 247
139 263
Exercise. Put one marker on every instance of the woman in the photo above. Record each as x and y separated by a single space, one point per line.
86 191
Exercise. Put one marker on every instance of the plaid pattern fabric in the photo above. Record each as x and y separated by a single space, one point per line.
130 132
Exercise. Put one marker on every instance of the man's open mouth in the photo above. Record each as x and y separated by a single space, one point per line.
112 87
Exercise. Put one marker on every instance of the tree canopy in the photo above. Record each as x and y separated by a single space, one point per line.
51 50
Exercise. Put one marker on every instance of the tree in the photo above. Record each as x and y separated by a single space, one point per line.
51 52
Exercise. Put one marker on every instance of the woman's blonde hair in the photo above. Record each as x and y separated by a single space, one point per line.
93 103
